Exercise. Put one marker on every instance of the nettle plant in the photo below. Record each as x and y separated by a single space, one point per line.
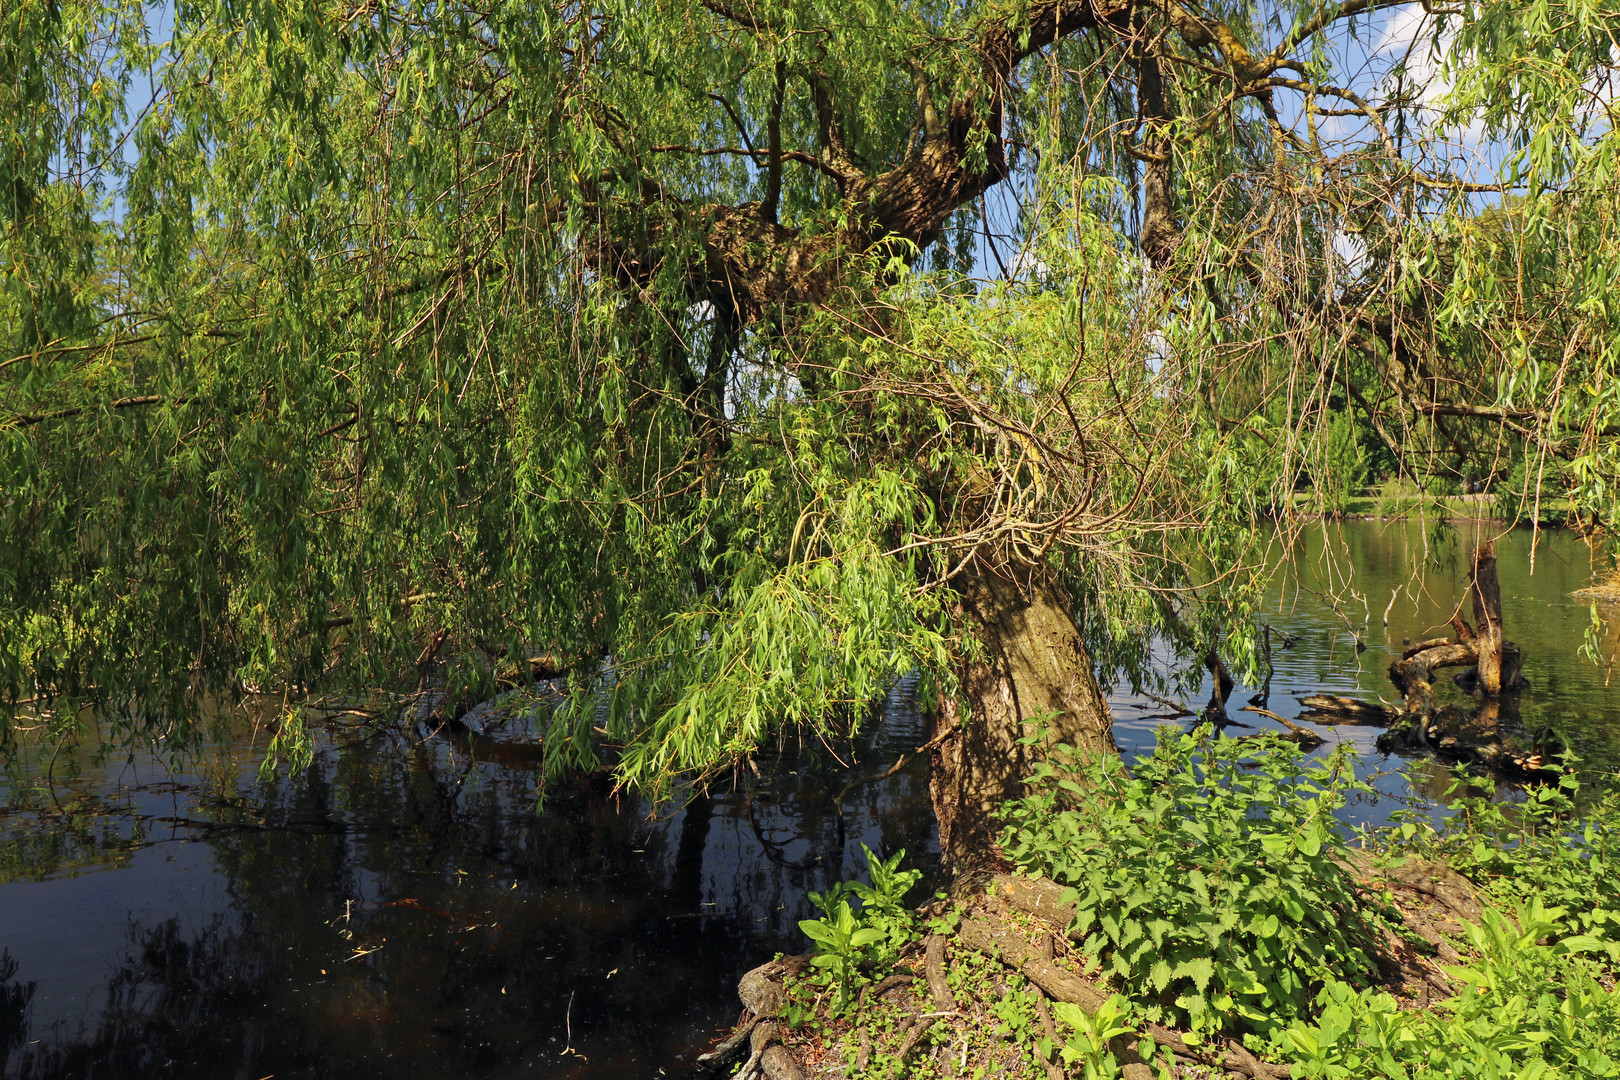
1555 843
1204 877
848 940
1532 1007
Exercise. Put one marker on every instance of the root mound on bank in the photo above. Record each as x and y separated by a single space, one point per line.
1201 914
998 988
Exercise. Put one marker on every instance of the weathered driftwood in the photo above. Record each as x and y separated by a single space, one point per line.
1496 663
1487 596
734 1048
1432 643
1336 709
1413 676
1221 688
1492 672
1302 737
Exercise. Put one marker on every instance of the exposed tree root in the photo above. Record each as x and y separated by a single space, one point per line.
1021 925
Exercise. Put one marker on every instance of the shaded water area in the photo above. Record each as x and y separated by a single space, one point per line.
400 909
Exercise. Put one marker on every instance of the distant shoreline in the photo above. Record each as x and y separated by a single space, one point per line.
1554 513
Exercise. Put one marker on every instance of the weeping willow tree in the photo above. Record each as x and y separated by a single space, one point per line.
655 339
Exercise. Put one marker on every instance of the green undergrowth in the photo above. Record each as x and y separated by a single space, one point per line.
859 943
848 944
1533 1005
1211 895
1539 993
1546 847
1208 876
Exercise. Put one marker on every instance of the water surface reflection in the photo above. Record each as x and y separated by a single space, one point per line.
1378 585
401 910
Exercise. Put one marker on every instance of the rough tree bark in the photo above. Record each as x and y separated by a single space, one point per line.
752 264
1034 667
1488 619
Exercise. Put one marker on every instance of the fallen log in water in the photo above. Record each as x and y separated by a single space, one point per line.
1488 644
1336 709
1413 676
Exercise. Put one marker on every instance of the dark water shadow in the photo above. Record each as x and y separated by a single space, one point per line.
400 910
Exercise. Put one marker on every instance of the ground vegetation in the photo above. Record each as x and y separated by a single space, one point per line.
1485 946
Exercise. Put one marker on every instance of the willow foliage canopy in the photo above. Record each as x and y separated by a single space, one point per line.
393 335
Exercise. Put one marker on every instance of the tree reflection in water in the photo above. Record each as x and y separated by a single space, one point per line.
401 910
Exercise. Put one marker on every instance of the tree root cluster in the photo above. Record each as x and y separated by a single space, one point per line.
937 1010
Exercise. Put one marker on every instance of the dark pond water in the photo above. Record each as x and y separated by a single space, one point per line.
400 910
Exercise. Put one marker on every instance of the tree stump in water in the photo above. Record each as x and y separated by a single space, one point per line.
1496 664
1492 668
1487 595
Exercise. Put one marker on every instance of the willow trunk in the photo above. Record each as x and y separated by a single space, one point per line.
1034 676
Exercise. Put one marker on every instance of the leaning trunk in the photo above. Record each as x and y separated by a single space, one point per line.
1034 673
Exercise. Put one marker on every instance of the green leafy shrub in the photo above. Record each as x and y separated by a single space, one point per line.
1394 496
1204 878
1530 849
840 939
847 941
1092 1032
1532 482
883 904
1529 1011
1341 474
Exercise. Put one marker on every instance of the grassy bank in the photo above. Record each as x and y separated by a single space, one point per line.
1607 589
1549 513
1209 916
